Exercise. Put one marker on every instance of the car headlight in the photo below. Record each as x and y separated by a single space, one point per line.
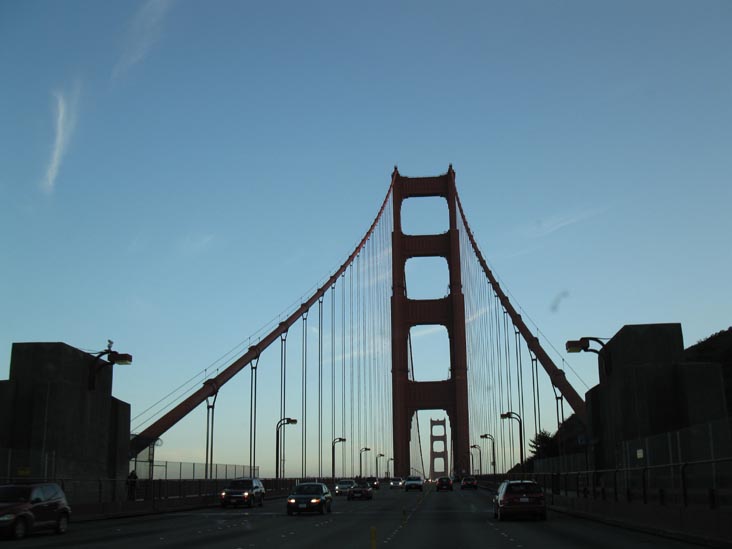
246 494
315 500
291 500
7 518
223 494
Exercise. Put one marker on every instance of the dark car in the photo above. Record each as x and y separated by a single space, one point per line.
413 483
309 496
444 483
244 491
361 490
28 507
373 482
470 483
517 498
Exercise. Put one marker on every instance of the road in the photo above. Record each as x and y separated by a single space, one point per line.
413 520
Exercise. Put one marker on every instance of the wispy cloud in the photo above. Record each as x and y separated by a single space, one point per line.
545 227
195 244
144 31
65 121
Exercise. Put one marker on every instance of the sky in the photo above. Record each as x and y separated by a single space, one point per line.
175 175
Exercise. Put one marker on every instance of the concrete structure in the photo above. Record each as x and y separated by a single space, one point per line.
53 423
650 386
409 396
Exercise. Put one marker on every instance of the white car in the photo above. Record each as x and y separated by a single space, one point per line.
343 485
413 483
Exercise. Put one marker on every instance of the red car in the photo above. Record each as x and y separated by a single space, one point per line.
361 490
28 507
519 498
469 482
444 483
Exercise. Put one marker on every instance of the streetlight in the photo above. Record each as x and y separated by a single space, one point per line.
493 453
280 423
335 441
387 467
113 357
377 463
583 344
514 415
360 454
480 458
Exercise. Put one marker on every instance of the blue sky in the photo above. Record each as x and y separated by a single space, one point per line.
175 174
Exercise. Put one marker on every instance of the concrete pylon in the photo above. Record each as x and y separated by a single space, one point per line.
451 394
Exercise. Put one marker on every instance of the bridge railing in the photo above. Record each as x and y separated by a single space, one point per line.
693 483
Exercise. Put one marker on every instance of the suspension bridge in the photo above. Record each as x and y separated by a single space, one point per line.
347 370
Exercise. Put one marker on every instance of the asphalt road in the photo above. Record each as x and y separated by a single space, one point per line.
412 520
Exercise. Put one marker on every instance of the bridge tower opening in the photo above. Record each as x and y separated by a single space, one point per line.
438 449
409 396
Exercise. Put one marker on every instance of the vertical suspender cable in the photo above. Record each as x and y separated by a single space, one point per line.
332 362
520 383
283 397
358 350
351 440
304 394
320 387
253 416
534 391
343 372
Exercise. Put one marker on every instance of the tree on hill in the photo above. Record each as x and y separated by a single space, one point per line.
544 445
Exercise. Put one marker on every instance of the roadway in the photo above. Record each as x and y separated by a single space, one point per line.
412 520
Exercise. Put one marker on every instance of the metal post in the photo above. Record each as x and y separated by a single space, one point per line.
480 458
332 462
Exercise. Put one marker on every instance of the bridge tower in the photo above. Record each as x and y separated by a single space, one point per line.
437 454
451 394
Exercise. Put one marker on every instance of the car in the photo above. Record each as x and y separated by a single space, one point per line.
469 483
413 483
310 496
28 507
396 482
343 485
374 482
444 483
516 498
244 491
361 490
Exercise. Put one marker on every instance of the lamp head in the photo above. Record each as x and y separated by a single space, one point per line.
577 345
290 421
113 357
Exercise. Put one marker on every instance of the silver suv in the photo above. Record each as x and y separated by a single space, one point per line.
343 485
413 483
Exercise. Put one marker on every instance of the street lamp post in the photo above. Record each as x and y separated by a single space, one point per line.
388 471
335 441
583 345
480 458
377 463
360 455
514 415
280 423
493 447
